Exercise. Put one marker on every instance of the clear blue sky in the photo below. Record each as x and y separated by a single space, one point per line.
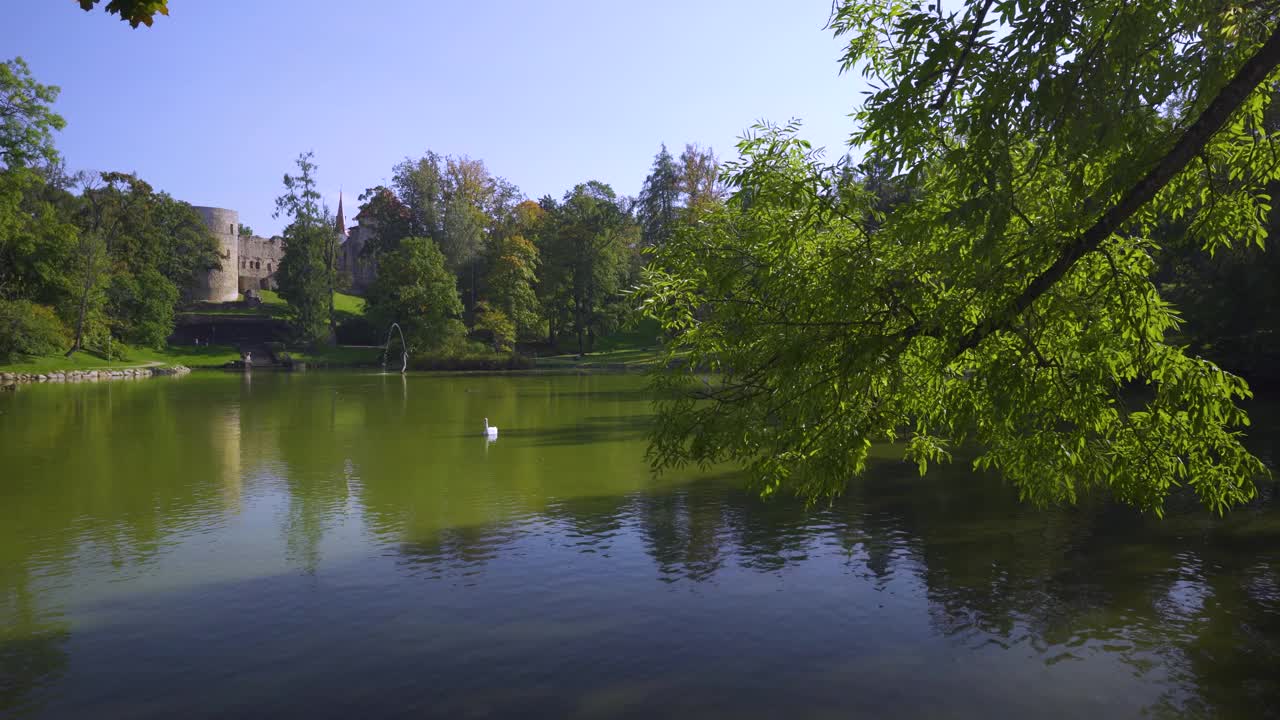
214 102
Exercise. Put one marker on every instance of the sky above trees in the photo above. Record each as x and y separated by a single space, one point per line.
215 101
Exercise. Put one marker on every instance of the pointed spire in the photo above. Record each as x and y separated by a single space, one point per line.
342 224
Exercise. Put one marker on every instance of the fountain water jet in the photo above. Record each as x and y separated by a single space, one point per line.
404 349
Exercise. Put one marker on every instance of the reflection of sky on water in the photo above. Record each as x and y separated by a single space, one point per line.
304 531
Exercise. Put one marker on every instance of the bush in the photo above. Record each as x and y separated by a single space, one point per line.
28 329
358 331
458 353
487 360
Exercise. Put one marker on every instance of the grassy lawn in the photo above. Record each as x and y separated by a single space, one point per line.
343 304
203 356
633 348
275 306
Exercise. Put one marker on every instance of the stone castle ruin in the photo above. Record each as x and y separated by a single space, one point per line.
250 262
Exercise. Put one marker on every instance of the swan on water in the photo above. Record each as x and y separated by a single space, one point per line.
490 430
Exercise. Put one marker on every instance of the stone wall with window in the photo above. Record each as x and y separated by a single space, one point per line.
259 262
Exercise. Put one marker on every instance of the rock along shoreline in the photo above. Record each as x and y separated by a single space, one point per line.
12 380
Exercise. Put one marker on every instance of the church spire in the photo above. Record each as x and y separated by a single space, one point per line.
341 223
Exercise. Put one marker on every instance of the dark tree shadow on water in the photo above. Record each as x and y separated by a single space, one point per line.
28 665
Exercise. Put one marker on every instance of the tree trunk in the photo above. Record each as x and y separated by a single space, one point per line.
79 341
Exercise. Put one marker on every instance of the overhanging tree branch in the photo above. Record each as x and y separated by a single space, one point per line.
978 24
1251 74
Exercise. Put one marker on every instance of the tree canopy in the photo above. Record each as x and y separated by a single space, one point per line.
309 268
80 270
415 289
1005 305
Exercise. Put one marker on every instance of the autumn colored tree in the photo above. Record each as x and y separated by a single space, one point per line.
699 177
511 281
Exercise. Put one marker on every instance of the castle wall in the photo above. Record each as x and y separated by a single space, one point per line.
222 284
259 261
351 260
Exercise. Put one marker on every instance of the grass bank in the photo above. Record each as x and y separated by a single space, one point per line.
274 306
617 359
203 356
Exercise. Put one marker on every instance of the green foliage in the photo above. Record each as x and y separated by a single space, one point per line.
659 200
37 239
88 275
111 262
381 209
454 201
419 185
511 282
1006 301
308 271
416 290
28 330
141 307
458 353
134 12
674 191
585 250
495 324
244 230
27 120
155 247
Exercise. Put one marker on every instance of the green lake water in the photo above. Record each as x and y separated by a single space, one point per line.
350 545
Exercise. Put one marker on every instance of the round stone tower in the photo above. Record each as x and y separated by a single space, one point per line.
221 285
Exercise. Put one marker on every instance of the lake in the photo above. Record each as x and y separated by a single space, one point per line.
343 544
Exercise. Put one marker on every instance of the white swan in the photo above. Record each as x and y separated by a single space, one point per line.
490 431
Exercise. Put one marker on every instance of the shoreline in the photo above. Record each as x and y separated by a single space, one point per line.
10 381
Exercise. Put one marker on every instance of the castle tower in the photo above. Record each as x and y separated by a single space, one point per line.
222 285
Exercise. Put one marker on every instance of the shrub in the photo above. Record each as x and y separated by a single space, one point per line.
28 329
358 330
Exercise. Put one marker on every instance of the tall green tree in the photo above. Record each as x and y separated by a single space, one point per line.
388 216
415 289
308 271
37 239
27 119
465 221
34 234
419 185
155 248
659 199
1008 304
585 254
